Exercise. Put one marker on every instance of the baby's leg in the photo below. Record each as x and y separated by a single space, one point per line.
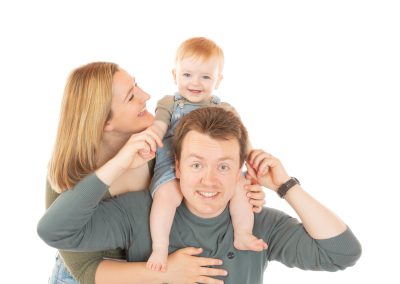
243 221
166 199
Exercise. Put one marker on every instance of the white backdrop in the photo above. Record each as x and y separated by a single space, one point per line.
314 81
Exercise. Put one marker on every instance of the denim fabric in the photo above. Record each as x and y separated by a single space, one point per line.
60 274
164 169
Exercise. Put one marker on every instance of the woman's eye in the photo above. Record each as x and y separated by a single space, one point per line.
131 97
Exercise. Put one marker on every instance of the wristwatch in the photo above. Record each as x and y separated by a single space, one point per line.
284 188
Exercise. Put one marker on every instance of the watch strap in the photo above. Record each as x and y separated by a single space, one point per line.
284 188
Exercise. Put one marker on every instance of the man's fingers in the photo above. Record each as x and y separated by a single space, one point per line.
212 271
191 250
208 280
257 209
204 261
251 174
255 188
259 159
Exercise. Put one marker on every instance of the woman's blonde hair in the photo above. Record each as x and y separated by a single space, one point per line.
85 109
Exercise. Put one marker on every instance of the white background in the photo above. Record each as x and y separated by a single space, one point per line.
314 81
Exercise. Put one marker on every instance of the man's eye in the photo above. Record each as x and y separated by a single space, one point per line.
196 166
224 168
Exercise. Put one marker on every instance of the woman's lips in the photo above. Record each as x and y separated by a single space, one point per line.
143 112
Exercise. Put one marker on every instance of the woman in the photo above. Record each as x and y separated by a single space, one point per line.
104 109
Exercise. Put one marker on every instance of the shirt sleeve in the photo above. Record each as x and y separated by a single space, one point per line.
164 109
82 265
79 221
290 244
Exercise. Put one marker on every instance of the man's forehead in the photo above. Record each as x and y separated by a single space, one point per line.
203 146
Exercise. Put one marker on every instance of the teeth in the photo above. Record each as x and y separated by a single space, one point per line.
207 194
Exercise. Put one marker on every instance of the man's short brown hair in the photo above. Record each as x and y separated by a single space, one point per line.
217 123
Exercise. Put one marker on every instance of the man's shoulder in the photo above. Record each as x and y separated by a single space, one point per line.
269 216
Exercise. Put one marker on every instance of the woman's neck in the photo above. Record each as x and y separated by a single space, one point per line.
110 144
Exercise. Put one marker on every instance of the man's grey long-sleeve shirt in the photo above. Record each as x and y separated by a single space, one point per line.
79 220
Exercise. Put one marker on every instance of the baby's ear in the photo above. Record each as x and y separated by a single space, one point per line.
220 77
174 74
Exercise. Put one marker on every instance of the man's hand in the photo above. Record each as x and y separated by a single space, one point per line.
266 170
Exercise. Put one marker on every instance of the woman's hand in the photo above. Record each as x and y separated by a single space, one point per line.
184 267
138 150
266 170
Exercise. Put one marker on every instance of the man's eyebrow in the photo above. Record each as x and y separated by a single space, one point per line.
202 158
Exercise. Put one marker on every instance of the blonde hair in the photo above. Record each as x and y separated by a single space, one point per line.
85 109
200 48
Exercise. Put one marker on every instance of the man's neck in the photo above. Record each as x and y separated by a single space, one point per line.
202 215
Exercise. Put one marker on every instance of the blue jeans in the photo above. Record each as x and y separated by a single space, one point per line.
60 274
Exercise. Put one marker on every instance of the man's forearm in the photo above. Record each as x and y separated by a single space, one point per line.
122 272
320 222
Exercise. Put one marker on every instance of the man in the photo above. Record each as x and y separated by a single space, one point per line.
210 148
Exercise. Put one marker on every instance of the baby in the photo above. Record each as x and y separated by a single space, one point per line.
197 73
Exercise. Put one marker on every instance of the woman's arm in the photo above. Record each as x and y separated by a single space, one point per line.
90 267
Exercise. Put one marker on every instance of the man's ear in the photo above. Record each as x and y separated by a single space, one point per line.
220 77
177 170
174 75
239 173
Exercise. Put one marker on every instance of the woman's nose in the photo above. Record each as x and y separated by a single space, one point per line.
143 95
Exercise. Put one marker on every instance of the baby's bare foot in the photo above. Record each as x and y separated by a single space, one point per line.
157 261
247 241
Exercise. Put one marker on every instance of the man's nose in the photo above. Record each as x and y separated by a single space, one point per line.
209 177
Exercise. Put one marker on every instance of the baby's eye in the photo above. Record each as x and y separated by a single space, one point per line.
186 75
206 77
